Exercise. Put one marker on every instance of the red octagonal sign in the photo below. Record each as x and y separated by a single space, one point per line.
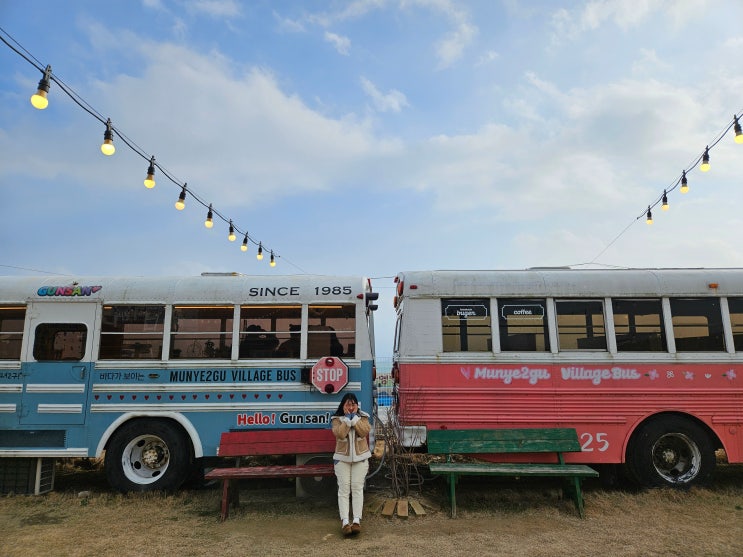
329 375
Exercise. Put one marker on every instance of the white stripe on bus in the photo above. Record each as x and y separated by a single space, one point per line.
59 408
55 388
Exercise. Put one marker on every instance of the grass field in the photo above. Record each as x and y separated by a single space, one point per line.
504 517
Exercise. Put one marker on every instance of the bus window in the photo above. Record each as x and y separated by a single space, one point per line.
132 332
331 331
270 331
580 324
697 324
11 332
638 325
523 325
60 341
736 321
465 325
396 340
201 332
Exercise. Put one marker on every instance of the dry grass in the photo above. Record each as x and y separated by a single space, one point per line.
495 518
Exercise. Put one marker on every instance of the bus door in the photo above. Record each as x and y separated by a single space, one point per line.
57 365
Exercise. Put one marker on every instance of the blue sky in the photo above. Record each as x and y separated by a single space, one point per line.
372 136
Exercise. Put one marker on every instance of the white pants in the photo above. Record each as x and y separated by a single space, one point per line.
351 477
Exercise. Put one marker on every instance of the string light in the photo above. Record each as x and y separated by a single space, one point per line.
39 99
181 203
149 182
231 236
107 147
273 261
682 182
209 222
738 131
259 255
704 167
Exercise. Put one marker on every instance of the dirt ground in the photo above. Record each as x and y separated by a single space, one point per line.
82 517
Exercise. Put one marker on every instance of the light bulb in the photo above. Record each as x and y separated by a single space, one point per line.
259 255
649 217
231 236
273 261
38 99
181 203
665 201
209 222
149 182
704 167
684 182
244 246
107 147
738 131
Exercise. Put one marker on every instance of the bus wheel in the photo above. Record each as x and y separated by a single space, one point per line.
671 452
147 455
316 485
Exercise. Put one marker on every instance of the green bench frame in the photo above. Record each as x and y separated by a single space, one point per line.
508 441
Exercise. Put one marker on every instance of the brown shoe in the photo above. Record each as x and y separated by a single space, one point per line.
355 528
347 530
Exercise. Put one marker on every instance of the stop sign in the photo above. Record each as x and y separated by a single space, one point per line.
329 375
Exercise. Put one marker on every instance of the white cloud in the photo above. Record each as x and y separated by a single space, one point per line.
487 58
239 136
393 101
649 64
287 24
610 148
451 47
341 44
594 14
347 11
215 8
448 49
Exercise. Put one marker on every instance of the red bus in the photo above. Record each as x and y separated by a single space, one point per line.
646 364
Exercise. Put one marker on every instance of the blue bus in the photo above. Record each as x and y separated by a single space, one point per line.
151 371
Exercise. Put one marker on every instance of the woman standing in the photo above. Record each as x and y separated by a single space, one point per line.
351 427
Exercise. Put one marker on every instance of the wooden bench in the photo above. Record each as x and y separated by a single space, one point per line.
508 441
269 442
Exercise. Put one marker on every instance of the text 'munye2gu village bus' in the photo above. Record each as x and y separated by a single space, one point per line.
647 365
153 370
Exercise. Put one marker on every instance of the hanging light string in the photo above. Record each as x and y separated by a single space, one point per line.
703 160
112 131
681 182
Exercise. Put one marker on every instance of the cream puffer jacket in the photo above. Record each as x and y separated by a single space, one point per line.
351 437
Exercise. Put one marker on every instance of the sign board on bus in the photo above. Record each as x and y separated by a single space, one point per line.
466 311
522 311
329 375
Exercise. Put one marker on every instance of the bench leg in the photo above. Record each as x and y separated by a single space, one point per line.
230 496
577 495
225 511
452 494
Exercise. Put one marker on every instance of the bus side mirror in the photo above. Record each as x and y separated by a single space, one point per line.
370 297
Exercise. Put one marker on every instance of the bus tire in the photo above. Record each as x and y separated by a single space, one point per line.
316 485
148 455
672 451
